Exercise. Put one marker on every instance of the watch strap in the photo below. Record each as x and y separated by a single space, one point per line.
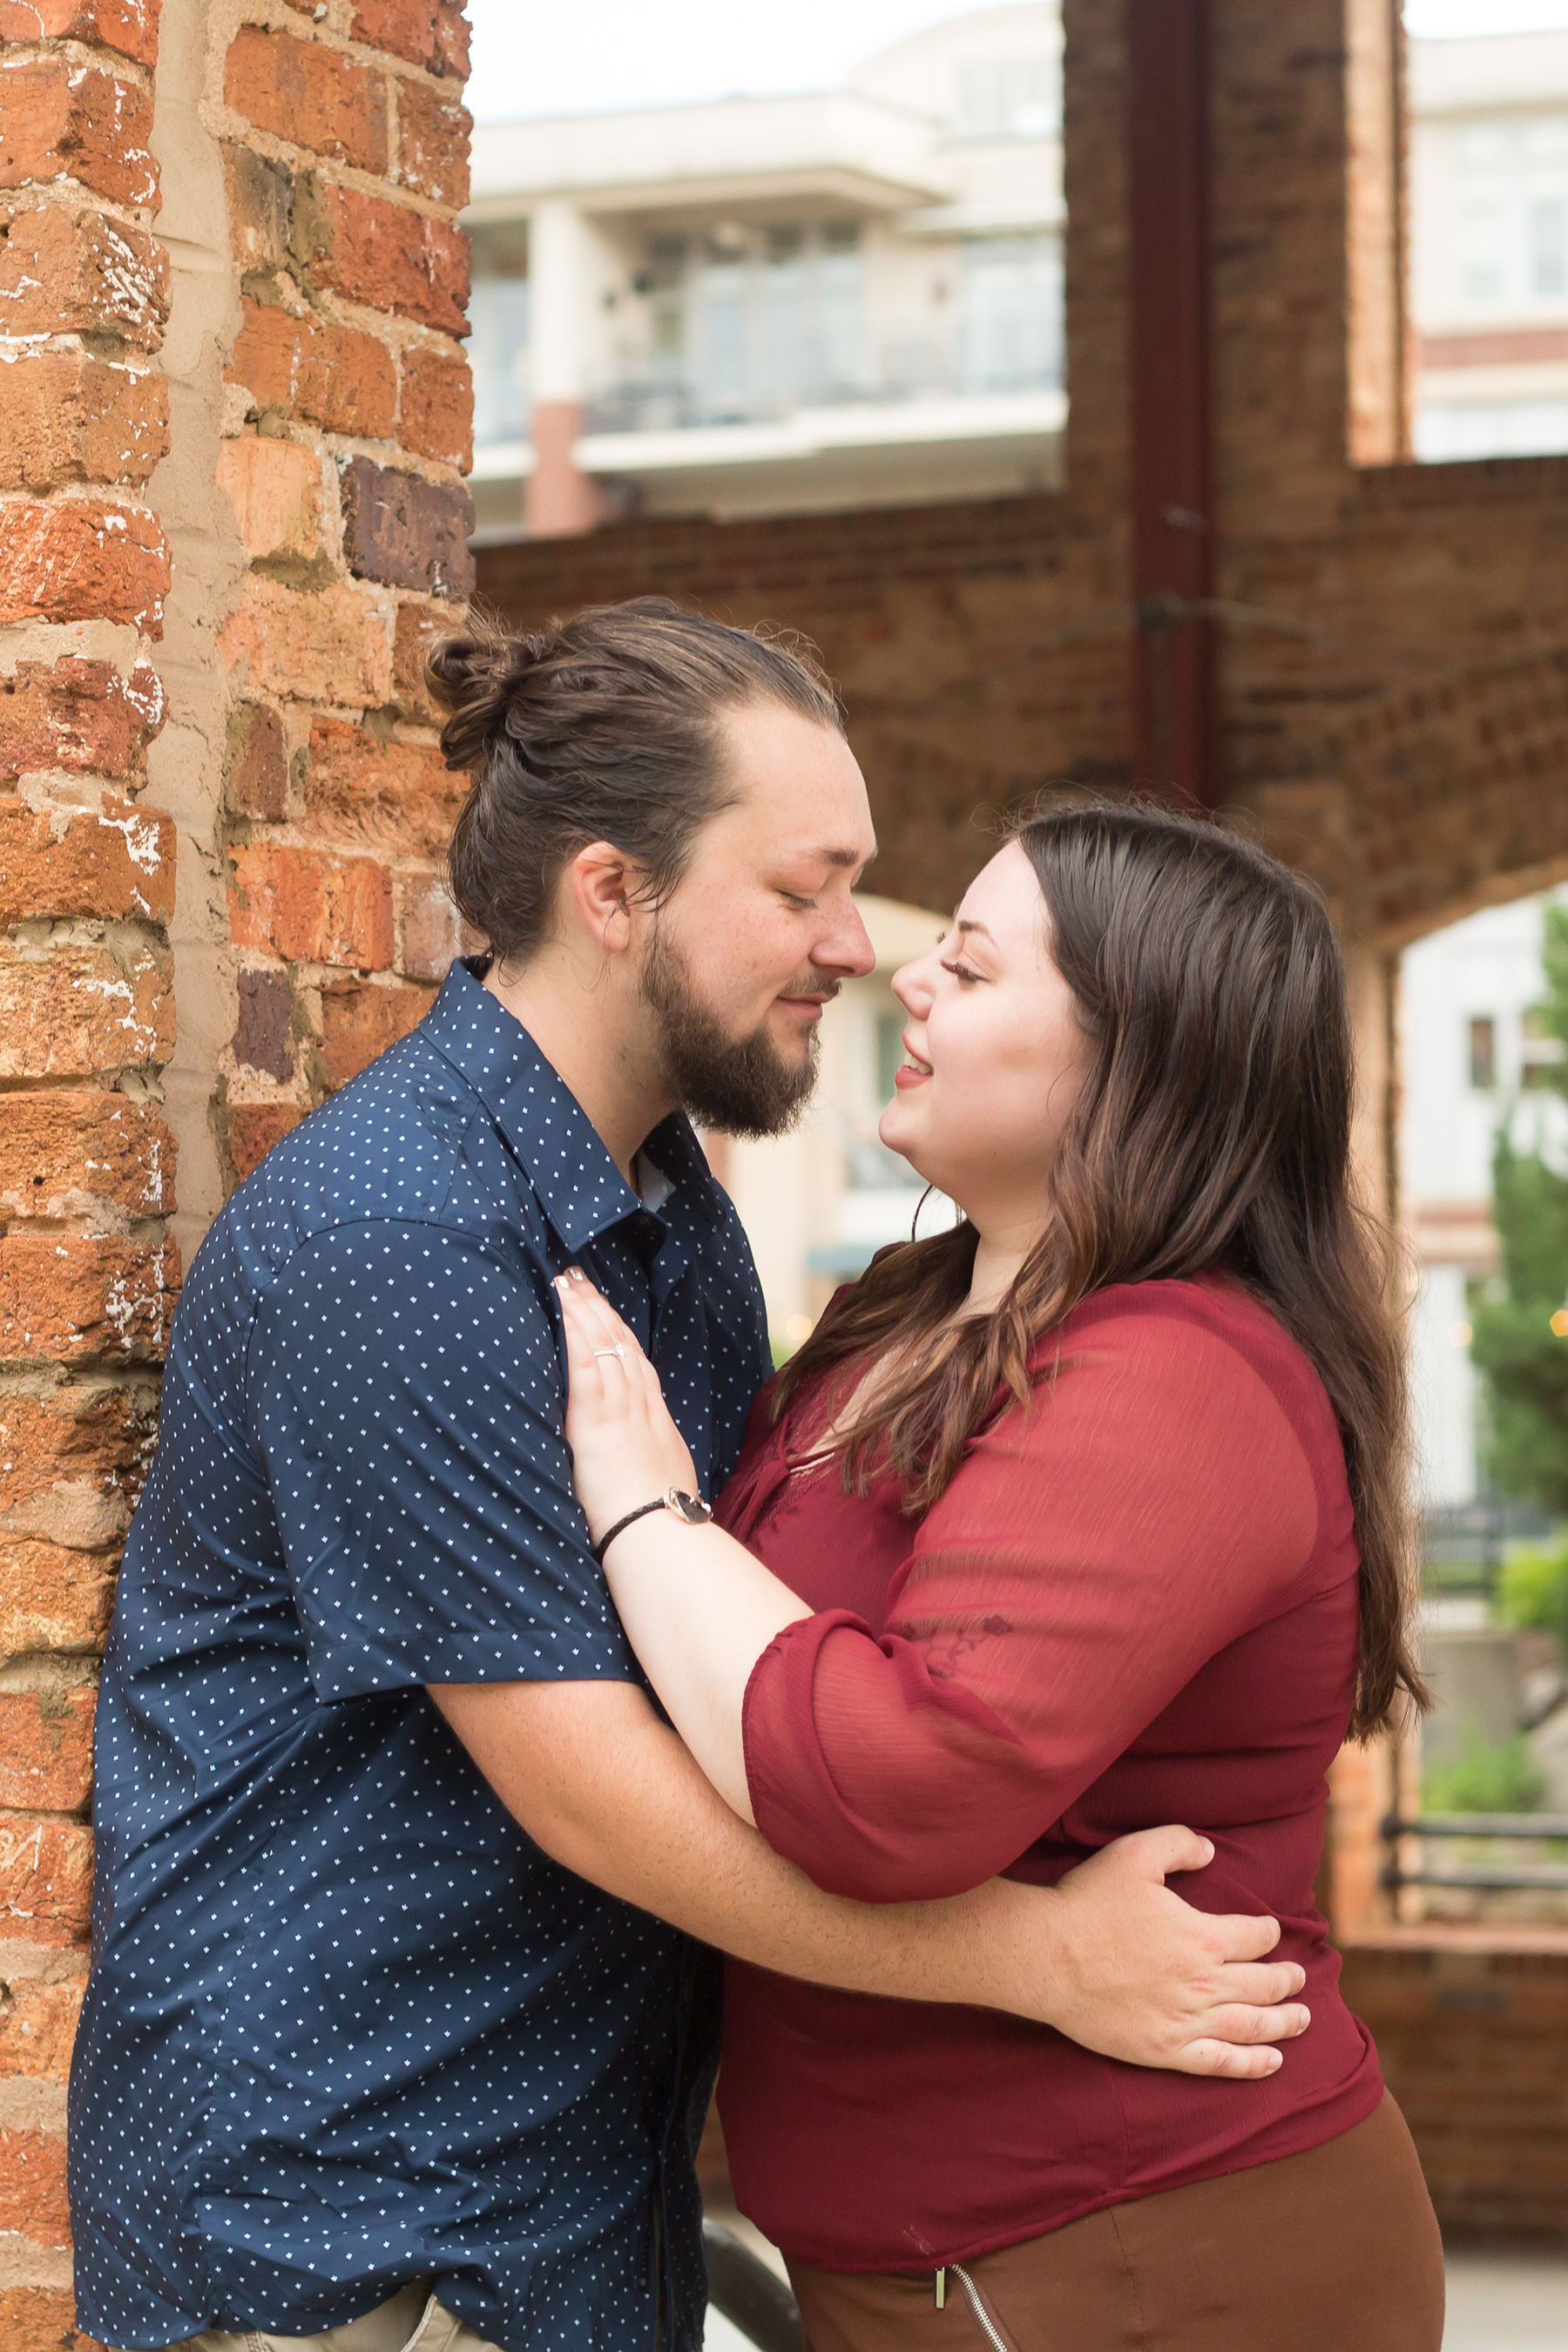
690 1507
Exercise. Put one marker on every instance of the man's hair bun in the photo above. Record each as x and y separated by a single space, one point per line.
601 728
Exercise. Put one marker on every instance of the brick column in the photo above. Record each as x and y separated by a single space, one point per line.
348 424
230 472
88 1272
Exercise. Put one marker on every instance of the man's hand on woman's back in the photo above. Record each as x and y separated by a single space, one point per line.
1117 1961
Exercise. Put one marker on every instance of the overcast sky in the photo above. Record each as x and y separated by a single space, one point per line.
579 57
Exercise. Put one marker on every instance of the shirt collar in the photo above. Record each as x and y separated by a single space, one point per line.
581 1190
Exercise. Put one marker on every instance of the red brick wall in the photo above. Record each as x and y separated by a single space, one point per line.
88 1270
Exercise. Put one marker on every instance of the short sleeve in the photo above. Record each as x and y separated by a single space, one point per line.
405 1391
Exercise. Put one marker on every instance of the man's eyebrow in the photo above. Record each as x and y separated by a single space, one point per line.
845 856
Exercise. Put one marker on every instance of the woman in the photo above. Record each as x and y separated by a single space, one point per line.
1087 1515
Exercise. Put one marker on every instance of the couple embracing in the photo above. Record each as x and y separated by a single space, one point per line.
497 1644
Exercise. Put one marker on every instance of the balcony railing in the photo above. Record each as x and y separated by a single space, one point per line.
654 407
1492 1877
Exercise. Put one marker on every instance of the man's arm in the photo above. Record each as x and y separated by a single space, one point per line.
1110 1957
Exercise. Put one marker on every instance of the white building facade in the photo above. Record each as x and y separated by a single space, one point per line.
756 305
1472 1053
1488 220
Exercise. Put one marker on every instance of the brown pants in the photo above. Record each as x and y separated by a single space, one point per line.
1333 2250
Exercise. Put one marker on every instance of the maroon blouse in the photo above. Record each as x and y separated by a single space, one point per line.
1135 1603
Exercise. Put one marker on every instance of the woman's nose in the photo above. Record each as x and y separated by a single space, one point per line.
913 985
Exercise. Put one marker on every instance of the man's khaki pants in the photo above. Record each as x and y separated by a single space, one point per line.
412 2322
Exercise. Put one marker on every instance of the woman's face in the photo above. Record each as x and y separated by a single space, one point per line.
993 1053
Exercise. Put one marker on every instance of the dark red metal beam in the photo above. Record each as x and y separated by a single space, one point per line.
1173 469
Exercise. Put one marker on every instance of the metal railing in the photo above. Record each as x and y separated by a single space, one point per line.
1477 1877
741 2286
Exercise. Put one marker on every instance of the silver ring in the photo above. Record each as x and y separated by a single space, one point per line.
619 1351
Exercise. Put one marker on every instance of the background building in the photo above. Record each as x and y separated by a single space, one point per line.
1471 1055
1488 165
771 303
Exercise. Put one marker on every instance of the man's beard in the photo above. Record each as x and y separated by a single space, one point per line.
739 1086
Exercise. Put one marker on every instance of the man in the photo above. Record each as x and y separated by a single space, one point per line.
388 2038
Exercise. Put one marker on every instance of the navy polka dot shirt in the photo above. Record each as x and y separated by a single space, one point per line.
347 2027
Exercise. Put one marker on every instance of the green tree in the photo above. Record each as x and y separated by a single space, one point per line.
1514 1344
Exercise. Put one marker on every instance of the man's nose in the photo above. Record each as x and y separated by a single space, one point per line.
848 949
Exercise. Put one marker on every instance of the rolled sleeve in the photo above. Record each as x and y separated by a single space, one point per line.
1092 1554
405 1390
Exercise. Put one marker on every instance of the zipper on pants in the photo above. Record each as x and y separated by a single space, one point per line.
987 2326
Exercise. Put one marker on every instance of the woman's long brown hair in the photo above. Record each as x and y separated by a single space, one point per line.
1212 1134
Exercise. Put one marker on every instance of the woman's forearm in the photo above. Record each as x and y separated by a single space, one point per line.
699 1610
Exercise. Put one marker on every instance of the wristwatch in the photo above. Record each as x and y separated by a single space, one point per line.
690 1507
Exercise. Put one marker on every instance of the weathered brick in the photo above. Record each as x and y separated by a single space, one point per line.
303 903
77 715
327 375
76 1154
308 94
278 499
359 1021
430 931
116 860
46 1751
81 274
399 797
429 32
252 1129
64 418
52 1598
77 1299
418 628
128 26
260 193
33 2201
383 255
79 1013
262 1037
41 2319
436 413
71 1464
46 1887
332 644
60 121
406 531
433 135
37 2027
258 761
83 560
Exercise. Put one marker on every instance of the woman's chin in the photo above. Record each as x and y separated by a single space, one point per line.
894 1130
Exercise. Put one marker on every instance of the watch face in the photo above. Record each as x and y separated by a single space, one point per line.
687 1507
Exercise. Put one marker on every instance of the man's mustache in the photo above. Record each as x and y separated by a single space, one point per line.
811 983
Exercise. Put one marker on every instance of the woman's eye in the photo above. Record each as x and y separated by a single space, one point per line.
962 971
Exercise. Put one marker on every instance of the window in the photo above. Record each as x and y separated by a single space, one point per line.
1541 1052
1511 193
1011 314
498 346
1007 98
1483 1053
752 320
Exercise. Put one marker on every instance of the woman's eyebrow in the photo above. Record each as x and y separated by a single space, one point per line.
964 924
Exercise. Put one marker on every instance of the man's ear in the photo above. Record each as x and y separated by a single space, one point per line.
601 886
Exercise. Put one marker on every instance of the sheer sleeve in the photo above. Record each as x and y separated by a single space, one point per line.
1155 1502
